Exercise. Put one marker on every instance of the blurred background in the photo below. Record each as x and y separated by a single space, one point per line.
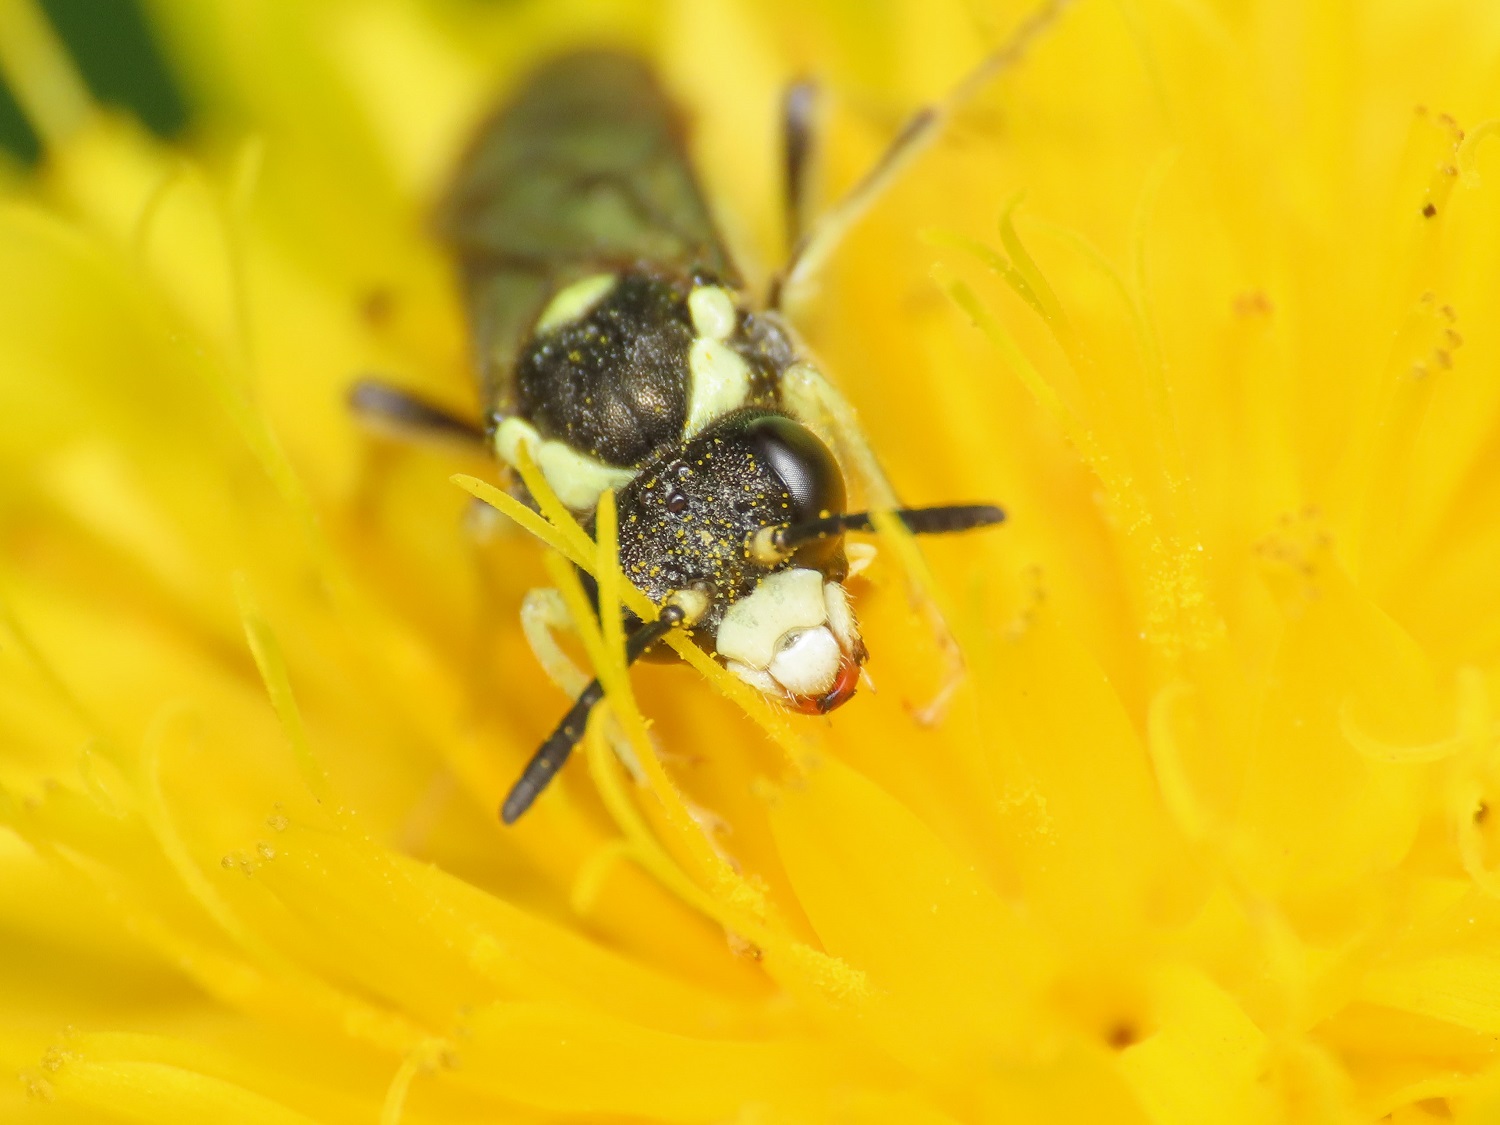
114 47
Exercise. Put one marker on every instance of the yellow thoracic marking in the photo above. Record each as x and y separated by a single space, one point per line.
577 478
719 383
719 376
573 301
713 312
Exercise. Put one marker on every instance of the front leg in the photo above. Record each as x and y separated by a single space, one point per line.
543 615
798 154
543 611
817 404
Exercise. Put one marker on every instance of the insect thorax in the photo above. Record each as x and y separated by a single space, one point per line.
622 366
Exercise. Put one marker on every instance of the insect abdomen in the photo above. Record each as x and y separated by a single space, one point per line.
583 172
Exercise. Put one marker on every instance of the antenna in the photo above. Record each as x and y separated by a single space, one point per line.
770 545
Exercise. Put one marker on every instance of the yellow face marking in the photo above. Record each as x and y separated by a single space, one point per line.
784 601
574 301
713 312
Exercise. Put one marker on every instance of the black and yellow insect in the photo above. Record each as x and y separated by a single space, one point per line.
616 345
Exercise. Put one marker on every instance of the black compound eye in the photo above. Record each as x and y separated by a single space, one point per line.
802 463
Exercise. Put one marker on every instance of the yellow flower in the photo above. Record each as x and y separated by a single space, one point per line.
1203 292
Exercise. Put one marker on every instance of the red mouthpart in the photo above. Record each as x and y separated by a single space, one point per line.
841 692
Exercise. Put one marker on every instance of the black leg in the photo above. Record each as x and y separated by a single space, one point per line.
545 763
821 237
798 129
392 412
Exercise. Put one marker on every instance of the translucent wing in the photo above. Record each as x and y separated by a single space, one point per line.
583 171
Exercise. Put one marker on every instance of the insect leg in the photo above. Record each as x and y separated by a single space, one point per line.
484 524
798 137
543 615
820 239
386 409
545 763
543 612
814 401
817 403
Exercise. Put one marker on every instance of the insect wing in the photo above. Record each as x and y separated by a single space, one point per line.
583 171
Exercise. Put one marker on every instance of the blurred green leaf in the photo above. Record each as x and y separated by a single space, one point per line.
115 49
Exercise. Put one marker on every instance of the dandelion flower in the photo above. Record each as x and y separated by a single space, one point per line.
1203 292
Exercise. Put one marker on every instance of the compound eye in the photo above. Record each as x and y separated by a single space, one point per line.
801 462
806 469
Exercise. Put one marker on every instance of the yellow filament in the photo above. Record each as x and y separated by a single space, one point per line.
145 221
589 881
611 673
521 514
620 701
273 674
904 545
1468 162
1051 310
1047 398
553 509
611 584
732 900
639 844
159 818
421 1059
1379 751
1166 763
991 258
